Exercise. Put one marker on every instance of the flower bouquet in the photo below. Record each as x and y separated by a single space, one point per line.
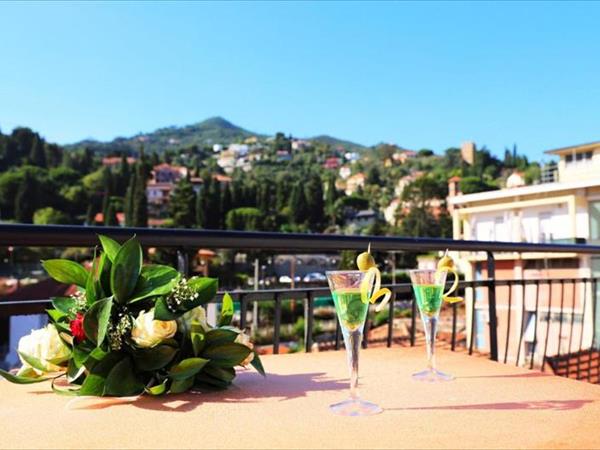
132 328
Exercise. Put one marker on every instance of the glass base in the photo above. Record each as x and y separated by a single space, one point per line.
432 376
355 407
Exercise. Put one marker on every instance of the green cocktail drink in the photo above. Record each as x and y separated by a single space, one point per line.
428 286
429 298
350 290
350 307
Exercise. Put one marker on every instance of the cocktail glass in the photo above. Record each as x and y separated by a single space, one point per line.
351 291
428 286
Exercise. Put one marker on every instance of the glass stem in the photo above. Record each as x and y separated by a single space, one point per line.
352 341
430 332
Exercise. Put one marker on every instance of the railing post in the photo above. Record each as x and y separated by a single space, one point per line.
308 321
277 324
491 272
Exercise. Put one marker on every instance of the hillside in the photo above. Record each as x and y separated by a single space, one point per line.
335 142
215 130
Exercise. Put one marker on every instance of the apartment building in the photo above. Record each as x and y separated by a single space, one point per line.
563 211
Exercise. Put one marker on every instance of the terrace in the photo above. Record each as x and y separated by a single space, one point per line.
521 393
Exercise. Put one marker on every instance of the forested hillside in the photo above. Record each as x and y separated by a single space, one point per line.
275 184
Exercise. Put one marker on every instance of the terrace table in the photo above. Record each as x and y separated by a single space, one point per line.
489 405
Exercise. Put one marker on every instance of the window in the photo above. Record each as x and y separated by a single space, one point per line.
579 158
551 263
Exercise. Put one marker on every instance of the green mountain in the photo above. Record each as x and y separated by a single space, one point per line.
335 142
215 130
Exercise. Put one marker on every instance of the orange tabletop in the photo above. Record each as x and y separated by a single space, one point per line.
489 405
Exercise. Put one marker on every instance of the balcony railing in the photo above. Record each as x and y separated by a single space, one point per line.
566 305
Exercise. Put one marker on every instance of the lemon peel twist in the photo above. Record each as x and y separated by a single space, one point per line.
370 288
446 264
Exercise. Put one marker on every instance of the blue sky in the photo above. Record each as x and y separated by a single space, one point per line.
417 74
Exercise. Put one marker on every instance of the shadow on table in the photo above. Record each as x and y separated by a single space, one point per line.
250 387
557 405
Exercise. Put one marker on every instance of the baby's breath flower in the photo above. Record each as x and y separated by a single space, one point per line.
181 293
119 331
80 302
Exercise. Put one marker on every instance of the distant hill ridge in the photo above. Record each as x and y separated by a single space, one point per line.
214 130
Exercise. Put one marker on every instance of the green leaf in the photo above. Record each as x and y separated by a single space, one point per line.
65 271
225 374
125 270
55 314
257 364
96 319
159 389
64 304
62 326
226 355
218 336
154 280
179 386
74 373
103 275
154 358
21 379
90 284
162 311
198 342
212 382
64 391
226 310
34 362
187 368
205 287
110 247
121 380
94 383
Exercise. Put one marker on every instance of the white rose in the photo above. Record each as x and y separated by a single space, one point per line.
44 344
147 332
244 339
196 315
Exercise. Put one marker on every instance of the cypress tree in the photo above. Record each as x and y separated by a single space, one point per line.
37 156
124 175
25 200
212 211
130 201
225 201
110 218
331 195
298 204
314 202
105 205
263 200
140 199
90 215
182 205
281 193
200 204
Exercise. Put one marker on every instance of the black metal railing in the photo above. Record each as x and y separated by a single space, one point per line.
522 347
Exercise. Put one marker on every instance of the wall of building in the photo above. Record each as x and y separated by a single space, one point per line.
579 170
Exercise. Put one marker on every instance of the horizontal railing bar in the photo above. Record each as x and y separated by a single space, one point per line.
85 236
295 294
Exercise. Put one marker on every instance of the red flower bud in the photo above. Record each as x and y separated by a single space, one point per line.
76 326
